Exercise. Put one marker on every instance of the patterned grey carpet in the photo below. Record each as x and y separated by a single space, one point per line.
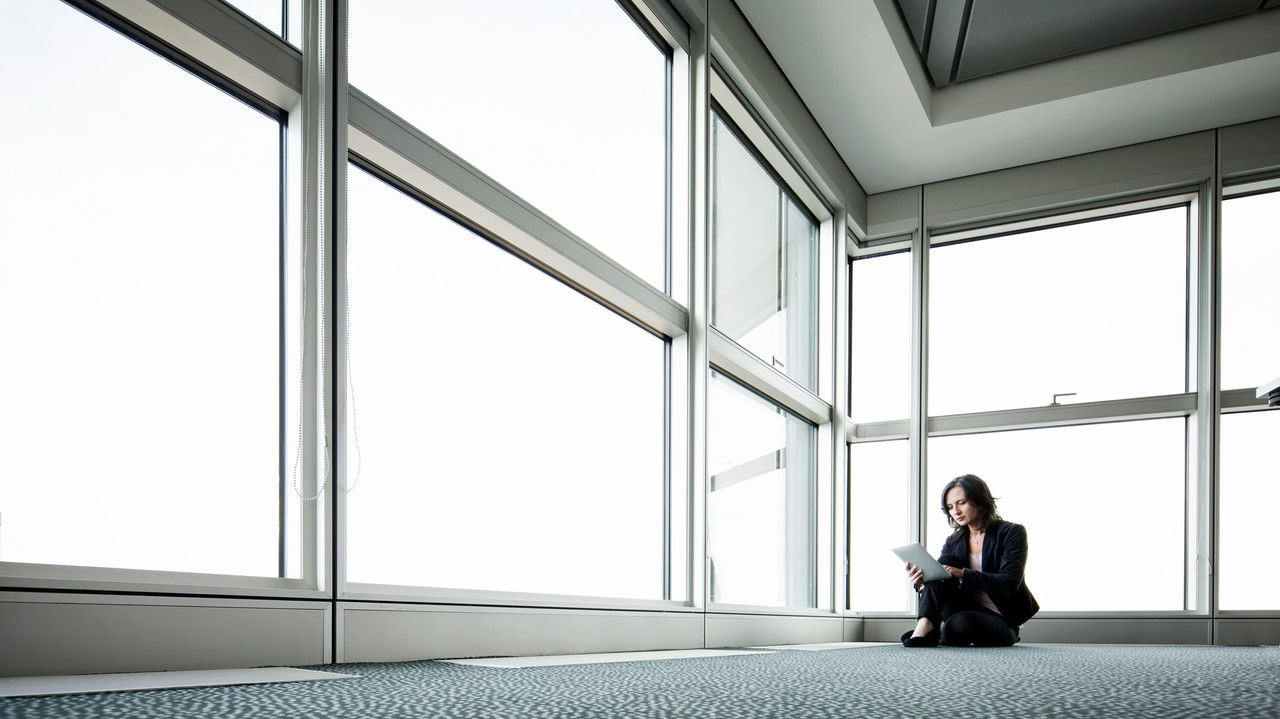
1027 680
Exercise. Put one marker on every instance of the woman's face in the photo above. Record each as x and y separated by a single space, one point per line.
959 508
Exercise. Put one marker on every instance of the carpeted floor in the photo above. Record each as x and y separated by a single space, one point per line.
1028 680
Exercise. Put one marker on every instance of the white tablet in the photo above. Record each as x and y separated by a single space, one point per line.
917 555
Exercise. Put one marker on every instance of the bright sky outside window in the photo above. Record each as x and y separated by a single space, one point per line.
562 101
880 338
1249 494
1097 308
1250 292
481 384
1078 490
140 304
761 504
763 262
879 519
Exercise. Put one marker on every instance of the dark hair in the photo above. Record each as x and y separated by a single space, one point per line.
978 494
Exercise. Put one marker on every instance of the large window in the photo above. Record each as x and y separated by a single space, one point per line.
562 101
762 499
480 387
140 301
1249 473
880 338
1082 491
1250 292
1249 494
764 261
1097 309
879 519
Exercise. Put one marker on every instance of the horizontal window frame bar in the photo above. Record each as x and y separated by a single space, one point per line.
1242 400
1119 410
736 361
259 66
384 140
882 431
58 577
857 250
1060 217
770 611
1260 184
1247 614
407 594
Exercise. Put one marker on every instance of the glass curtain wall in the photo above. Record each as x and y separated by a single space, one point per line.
880 506
761 501
141 297
1249 475
764 261
510 432
510 92
1093 313
459 345
763 526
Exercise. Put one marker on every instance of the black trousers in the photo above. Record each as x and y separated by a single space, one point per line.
955 612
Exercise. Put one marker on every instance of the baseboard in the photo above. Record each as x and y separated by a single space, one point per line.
49 634
854 631
1072 630
750 630
405 632
1247 632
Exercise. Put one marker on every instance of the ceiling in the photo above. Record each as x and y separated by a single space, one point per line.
1020 86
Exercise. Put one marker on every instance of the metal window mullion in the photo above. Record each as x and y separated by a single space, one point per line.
699 313
323 164
338 299
668 384
918 422
840 423
1208 320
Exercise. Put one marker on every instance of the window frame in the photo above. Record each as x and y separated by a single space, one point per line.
256 68
395 151
1237 400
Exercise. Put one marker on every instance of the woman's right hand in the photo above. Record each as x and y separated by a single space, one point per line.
916 574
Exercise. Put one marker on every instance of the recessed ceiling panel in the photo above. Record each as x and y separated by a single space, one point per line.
1008 34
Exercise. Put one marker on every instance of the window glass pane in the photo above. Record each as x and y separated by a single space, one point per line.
761 507
880 338
140 308
764 262
1096 308
562 101
879 520
1250 291
1079 490
480 387
1249 494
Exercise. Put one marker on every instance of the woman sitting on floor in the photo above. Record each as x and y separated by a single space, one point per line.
985 600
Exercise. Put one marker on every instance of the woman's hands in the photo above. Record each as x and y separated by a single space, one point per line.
915 574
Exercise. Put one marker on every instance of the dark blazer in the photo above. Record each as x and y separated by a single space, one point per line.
1004 557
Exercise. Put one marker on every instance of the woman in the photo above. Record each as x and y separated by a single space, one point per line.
984 601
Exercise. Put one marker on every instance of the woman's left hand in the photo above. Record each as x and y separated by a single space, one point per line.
953 571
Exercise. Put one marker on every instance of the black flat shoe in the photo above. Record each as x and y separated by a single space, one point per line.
928 640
